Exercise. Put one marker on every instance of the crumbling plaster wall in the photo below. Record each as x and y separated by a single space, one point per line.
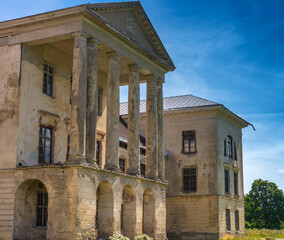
9 103
37 108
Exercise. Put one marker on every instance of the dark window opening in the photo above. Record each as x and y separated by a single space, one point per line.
142 151
235 152
189 180
45 145
143 169
227 181
237 221
68 147
98 153
230 146
228 220
122 164
225 147
99 101
70 95
188 142
41 210
123 144
236 183
47 79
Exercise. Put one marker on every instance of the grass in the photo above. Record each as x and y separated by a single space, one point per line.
256 234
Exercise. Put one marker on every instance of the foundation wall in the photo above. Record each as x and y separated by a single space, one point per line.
192 217
10 62
233 205
72 198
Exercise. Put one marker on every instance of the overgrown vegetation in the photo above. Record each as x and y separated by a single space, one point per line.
121 237
143 237
118 237
256 234
264 206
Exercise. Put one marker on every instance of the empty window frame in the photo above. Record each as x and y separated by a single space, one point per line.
41 209
45 145
189 180
143 169
47 80
227 181
122 165
237 221
228 220
188 142
236 190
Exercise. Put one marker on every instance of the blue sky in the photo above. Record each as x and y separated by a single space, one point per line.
231 52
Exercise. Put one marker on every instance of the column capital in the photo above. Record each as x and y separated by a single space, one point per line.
92 40
79 34
113 54
160 80
133 67
150 76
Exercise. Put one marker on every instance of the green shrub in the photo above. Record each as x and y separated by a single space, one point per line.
143 237
118 237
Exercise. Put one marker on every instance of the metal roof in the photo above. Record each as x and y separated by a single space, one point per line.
173 103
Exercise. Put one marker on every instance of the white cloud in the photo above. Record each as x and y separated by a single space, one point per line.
281 171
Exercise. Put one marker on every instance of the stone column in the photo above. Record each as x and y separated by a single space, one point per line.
133 135
151 130
112 131
78 101
160 116
92 103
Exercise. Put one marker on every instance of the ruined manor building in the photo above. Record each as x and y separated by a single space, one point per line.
204 167
60 74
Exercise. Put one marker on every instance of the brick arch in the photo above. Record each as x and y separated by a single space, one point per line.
104 210
31 210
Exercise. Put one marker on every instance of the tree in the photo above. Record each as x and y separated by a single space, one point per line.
264 206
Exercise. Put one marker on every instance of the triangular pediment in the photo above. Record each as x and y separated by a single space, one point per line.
130 19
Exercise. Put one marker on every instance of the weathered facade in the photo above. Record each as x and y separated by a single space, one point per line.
59 124
204 168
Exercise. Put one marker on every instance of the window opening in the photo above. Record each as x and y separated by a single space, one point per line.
45 145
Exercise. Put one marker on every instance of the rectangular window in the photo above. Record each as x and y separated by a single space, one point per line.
98 153
188 142
122 164
47 80
143 169
227 181
235 152
228 220
236 192
41 210
68 147
100 102
45 145
237 223
189 180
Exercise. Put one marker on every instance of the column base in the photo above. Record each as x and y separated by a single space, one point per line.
92 162
112 167
134 172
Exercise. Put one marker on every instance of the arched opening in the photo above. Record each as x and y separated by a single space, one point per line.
128 212
149 213
104 212
31 211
